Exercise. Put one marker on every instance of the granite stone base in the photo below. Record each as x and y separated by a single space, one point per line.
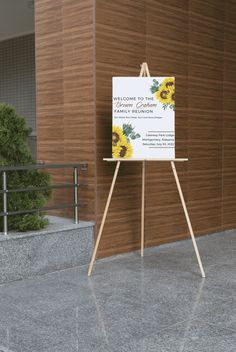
61 245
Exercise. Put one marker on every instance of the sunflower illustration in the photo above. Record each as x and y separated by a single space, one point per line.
162 95
171 98
122 150
117 135
122 140
169 83
165 92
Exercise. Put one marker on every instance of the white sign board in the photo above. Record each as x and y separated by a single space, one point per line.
143 117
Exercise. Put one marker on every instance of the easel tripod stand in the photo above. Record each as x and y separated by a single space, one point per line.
145 72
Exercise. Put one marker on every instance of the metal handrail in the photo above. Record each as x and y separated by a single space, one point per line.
75 166
82 166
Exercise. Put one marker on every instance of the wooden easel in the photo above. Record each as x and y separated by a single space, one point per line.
145 72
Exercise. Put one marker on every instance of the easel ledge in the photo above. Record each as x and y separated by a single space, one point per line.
149 159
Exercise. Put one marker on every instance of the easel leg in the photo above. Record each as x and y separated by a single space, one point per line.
103 219
187 218
142 208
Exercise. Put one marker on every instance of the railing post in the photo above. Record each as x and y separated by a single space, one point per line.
76 195
4 179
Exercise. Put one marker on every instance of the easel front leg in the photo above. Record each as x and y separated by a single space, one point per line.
103 219
143 208
187 218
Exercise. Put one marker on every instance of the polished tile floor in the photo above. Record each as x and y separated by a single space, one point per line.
156 304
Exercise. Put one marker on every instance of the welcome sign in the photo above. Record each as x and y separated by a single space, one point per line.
143 117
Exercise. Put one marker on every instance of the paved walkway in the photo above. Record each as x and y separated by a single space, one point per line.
158 304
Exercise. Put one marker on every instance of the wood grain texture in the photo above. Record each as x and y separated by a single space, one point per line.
205 69
80 45
229 121
193 40
65 91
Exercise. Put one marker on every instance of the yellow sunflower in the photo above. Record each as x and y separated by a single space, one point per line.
171 98
162 95
122 150
117 135
168 83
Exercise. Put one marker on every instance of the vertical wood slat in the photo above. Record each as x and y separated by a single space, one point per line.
65 90
229 121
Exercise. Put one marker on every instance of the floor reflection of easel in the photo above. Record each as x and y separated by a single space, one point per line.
145 72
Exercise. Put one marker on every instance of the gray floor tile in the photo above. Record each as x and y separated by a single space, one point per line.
190 336
158 303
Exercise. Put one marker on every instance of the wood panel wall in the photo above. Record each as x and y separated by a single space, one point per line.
80 45
195 41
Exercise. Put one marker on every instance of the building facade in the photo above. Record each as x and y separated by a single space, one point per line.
79 46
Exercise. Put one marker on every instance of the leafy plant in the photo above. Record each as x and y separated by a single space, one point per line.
129 132
155 86
14 151
171 106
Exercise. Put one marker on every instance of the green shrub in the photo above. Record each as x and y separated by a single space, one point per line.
15 151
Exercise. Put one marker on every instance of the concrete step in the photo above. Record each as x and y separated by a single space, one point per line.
61 245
